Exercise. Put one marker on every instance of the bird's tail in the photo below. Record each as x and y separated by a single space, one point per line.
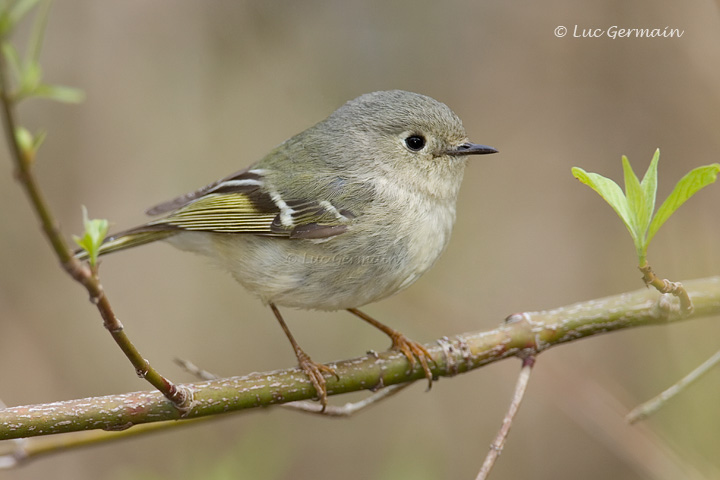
128 239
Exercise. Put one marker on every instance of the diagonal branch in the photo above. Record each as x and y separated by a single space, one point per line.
23 158
521 335
643 411
498 444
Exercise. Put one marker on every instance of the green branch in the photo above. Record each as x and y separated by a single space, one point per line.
521 335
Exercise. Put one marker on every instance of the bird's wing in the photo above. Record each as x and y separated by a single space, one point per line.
242 181
239 204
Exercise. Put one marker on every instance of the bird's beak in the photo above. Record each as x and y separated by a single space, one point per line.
470 149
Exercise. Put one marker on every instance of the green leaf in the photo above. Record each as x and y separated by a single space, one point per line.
28 142
29 81
60 93
13 59
25 140
688 186
12 14
39 139
611 192
20 9
641 200
38 34
635 200
649 184
95 232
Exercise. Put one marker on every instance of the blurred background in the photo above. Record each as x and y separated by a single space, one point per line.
182 93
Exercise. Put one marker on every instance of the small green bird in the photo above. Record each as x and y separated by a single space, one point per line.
348 212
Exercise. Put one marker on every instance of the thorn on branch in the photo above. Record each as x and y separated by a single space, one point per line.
143 372
515 317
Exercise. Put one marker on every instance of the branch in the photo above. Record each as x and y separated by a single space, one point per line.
23 157
643 411
21 451
499 443
521 335
347 410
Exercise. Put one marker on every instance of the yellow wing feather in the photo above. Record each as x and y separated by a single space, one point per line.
222 213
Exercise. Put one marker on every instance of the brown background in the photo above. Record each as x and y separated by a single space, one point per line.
182 93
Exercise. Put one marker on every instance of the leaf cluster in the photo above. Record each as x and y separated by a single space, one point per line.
636 205
26 70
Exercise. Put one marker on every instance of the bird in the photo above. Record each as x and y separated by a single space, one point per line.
348 212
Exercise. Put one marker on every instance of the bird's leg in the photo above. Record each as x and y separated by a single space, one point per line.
313 370
412 350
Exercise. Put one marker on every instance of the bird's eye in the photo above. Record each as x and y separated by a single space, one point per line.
415 142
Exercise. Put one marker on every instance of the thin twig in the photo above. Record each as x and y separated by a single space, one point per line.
195 371
29 449
666 286
350 408
651 406
497 446
599 409
23 159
